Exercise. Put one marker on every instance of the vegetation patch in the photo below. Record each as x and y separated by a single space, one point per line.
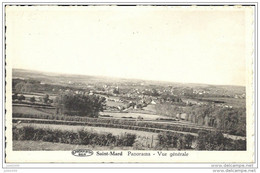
175 140
205 141
216 141
81 137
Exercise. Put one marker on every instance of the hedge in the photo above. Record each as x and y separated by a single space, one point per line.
81 137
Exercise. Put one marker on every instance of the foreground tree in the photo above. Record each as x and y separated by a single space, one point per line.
232 121
78 104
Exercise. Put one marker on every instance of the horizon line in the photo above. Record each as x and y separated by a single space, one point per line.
125 78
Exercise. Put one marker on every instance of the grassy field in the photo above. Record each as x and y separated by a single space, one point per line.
47 111
150 108
38 95
114 104
227 101
31 110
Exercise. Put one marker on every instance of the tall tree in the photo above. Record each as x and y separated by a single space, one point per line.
82 105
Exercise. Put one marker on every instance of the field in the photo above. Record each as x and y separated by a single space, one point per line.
150 108
32 110
114 104
133 115
229 101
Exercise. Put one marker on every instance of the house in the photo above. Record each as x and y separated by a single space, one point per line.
153 102
182 116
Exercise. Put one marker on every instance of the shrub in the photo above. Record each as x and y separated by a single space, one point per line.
216 141
171 140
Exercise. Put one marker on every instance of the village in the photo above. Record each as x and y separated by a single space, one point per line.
136 100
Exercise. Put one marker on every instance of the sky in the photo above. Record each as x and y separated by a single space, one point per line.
176 44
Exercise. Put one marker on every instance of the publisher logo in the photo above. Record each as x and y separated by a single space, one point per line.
82 152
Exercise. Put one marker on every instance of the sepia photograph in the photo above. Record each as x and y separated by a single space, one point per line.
110 80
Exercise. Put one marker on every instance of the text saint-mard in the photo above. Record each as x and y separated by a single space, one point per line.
111 153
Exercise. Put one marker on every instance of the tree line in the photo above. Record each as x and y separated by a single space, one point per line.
228 120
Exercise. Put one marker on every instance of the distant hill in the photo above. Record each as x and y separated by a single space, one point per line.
61 79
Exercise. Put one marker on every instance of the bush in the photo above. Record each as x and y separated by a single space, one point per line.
216 141
174 140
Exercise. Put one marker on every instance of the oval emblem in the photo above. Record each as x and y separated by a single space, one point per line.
82 152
